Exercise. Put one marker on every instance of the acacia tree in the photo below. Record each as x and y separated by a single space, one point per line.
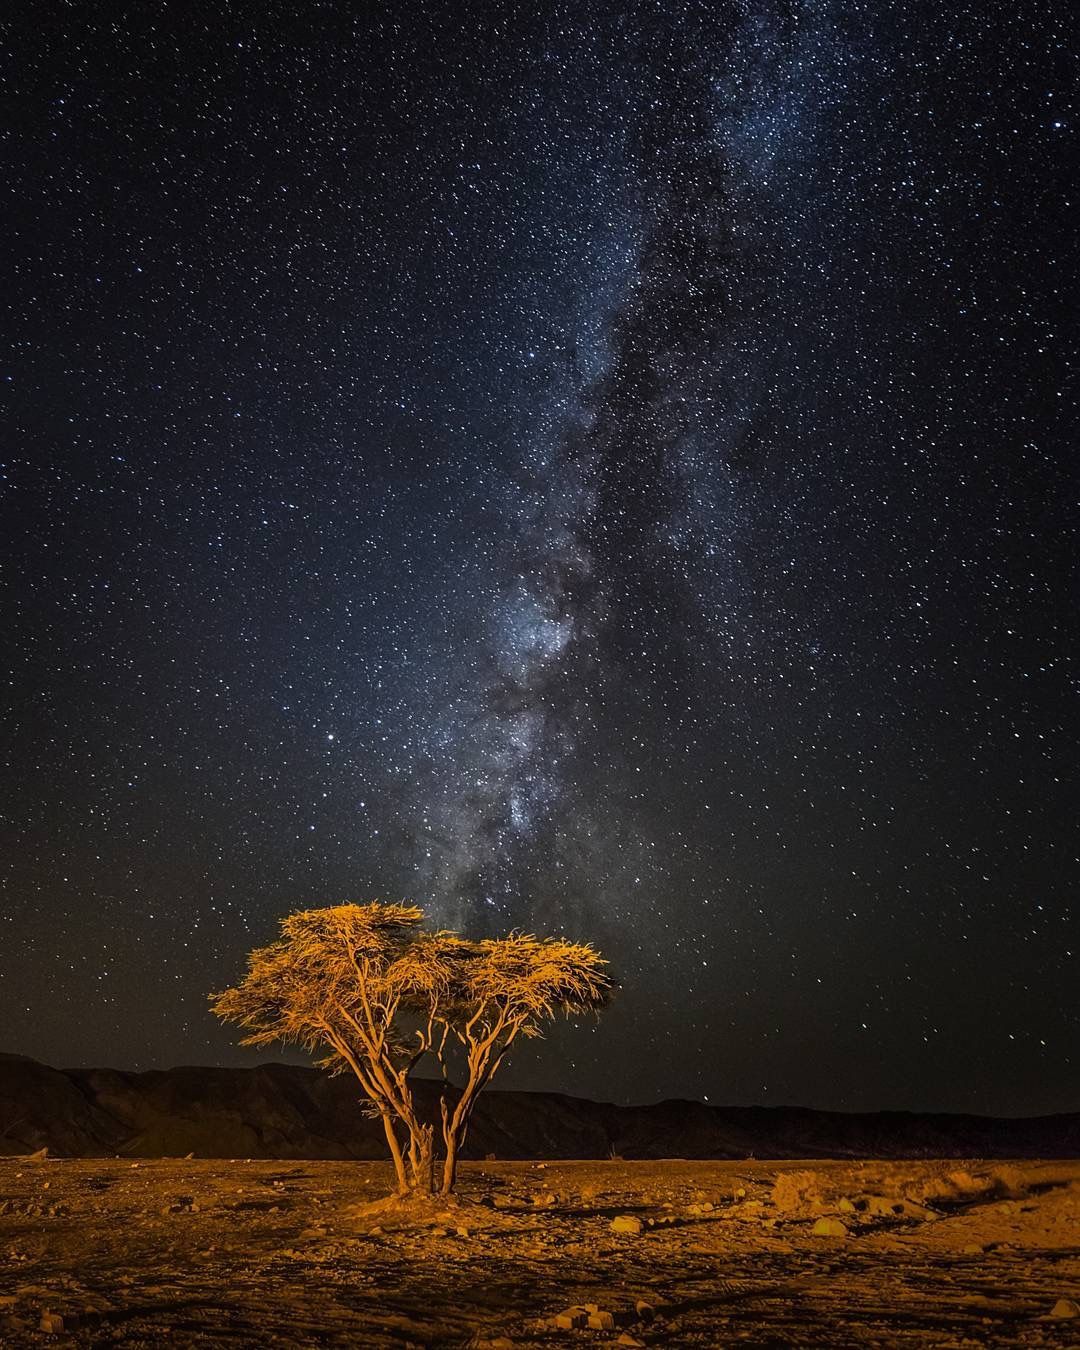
377 993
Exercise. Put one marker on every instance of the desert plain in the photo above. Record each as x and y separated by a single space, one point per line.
116 1252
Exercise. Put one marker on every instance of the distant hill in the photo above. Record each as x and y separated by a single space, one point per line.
281 1111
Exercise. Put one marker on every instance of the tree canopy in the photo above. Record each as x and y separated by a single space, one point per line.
375 993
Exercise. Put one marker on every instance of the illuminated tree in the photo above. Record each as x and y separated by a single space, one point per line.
374 991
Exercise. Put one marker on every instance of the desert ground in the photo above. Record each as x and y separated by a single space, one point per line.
219 1253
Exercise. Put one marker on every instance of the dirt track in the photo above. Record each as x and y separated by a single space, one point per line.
215 1253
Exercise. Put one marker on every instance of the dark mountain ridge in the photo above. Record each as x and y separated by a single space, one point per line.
284 1111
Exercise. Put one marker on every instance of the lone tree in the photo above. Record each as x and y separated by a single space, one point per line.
377 993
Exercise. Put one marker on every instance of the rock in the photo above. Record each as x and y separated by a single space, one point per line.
545 1200
889 1207
51 1322
644 1310
833 1228
627 1339
571 1319
41 1155
626 1223
846 1206
974 1249
600 1321
1065 1307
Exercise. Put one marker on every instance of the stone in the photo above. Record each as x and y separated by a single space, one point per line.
889 1207
846 1206
832 1228
644 1310
570 1319
51 1322
626 1223
601 1321
627 1339
1065 1307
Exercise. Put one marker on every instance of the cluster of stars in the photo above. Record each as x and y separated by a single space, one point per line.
592 469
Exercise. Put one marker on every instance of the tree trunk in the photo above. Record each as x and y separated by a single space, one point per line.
449 1171
395 1153
422 1160
454 1132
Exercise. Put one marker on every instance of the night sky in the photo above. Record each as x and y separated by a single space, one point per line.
596 468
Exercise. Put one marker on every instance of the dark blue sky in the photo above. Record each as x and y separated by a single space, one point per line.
593 468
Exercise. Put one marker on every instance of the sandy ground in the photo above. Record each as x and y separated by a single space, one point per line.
215 1253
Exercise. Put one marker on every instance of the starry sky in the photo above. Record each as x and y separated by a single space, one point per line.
596 468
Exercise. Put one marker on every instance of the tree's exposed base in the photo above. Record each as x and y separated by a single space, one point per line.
427 1213
414 1205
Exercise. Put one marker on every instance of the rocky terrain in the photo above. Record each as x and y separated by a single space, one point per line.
282 1111
121 1252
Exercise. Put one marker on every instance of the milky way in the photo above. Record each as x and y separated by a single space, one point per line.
604 469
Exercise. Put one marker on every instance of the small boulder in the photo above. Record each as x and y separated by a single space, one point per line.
626 1223
570 1319
51 1322
1065 1307
831 1228
601 1321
